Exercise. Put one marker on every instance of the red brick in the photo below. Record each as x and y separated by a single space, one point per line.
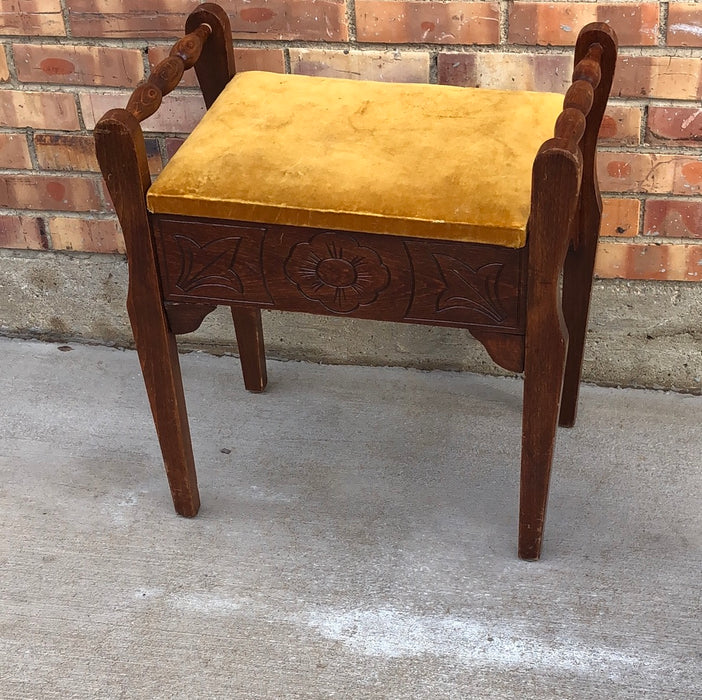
648 261
49 192
687 176
637 172
39 110
666 77
636 23
309 20
21 232
673 218
506 71
4 70
621 125
14 152
128 6
398 22
65 152
684 24
107 198
179 112
76 152
141 19
138 26
559 23
391 66
78 65
89 235
620 217
31 18
679 126
271 60
153 155
172 145
645 172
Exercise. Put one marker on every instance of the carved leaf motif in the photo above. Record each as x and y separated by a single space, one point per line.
470 288
211 264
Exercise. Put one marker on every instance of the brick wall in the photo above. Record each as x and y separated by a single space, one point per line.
65 62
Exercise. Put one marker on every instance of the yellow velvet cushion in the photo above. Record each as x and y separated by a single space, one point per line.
413 160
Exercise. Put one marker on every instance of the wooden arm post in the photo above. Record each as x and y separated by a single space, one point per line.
215 65
563 229
580 261
121 153
556 179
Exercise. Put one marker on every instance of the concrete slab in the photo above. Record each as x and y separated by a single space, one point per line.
357 538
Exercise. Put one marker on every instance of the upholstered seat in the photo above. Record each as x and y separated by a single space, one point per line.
413 160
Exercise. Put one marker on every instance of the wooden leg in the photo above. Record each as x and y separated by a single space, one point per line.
554 201
577 287
122 155
543 380
249 338
158 354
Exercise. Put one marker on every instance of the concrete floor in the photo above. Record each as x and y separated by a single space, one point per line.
357 538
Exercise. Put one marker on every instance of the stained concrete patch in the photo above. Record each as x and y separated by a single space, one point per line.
391 633
357 541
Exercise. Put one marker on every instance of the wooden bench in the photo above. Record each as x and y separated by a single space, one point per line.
426 204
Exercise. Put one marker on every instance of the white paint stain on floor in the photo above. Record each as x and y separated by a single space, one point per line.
391 633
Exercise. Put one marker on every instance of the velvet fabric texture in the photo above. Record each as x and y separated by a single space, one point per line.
419 160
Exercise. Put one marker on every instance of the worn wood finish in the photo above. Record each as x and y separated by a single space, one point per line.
122 156
598 40
181 268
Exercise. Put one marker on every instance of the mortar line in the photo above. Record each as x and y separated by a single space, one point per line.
504 22
66 20
663 11
351 21
353 43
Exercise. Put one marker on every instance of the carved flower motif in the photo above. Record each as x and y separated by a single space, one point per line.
336 271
